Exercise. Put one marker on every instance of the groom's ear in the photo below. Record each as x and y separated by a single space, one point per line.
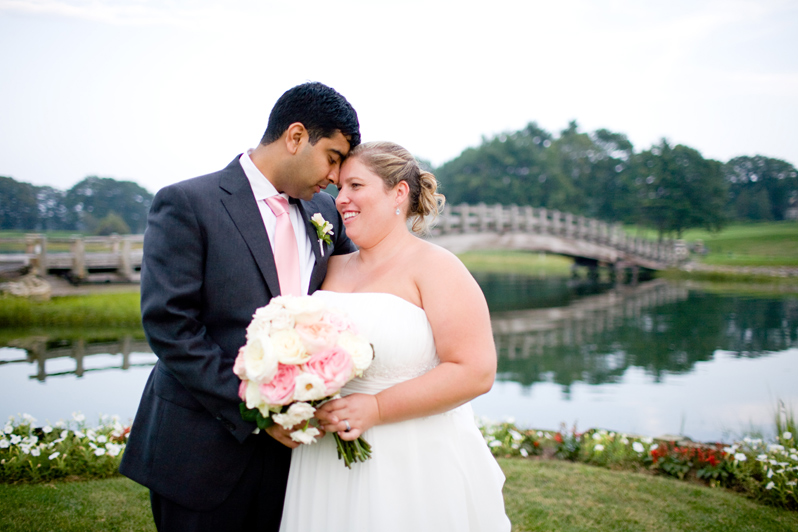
295 136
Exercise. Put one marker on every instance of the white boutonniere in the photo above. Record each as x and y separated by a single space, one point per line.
323 230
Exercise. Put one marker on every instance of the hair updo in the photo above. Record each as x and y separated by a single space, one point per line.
395 164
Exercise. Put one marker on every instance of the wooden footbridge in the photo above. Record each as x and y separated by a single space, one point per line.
460 228
590 242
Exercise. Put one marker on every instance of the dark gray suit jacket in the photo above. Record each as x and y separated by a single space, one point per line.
207 266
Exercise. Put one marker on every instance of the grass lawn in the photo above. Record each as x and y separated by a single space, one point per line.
519 262
539 495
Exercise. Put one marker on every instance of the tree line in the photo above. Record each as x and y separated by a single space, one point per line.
600 175
97 205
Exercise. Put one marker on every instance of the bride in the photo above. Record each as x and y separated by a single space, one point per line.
428 321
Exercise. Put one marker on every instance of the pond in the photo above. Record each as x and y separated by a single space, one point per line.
659 358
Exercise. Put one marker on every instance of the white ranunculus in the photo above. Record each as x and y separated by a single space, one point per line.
305 309
252 396
260 361
306 436
288 347
358 348
309 387
296 414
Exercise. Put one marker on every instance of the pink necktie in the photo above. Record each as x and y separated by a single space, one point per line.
286 254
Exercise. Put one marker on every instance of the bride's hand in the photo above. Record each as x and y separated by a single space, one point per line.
360 410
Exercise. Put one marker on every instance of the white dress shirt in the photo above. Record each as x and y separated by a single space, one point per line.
262 188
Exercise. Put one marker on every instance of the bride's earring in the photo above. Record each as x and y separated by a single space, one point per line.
397 211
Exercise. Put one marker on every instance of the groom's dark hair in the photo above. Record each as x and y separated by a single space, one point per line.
319 108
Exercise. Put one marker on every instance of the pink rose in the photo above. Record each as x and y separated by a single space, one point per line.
340 322
317 336
242 390
280 390
238 367
334 366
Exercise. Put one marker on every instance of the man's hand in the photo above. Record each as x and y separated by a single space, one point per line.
282 435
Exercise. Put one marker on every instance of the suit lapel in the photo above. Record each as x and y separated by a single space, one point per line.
310 229
243 209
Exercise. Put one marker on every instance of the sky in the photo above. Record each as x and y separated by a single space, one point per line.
157 91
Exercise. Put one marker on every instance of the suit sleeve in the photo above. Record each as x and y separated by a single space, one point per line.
171 306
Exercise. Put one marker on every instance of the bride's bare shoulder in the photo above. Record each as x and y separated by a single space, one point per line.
335 269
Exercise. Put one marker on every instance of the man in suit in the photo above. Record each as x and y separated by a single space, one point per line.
208 264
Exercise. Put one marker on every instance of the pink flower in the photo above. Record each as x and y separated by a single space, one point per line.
280 390
242 390
317 336
334 366
238 367
339 321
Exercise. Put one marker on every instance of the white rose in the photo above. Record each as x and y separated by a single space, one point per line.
272 316
306 436
309 387
305 309
260 361
288 347
358 348
296 414
252 395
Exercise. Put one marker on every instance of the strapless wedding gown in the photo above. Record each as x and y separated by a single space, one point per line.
428 474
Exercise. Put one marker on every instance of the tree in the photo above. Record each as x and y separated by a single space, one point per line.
98 197
18 209
761 188
53 214
111 224
682 189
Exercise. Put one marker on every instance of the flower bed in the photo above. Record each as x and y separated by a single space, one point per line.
766 471
64 449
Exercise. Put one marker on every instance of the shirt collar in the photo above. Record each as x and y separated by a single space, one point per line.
262 188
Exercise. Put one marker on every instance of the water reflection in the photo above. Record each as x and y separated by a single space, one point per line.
39 350
660 327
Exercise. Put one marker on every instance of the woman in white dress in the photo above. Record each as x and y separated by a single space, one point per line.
428 321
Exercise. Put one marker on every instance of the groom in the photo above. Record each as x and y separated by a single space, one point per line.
216 248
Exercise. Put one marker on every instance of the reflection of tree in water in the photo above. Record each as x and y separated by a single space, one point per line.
662 339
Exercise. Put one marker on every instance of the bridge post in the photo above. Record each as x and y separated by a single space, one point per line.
464 218
529 219
78 352
482 217
36 244
569 225
543 216
125 259
78 258
446 220
498 218
515 222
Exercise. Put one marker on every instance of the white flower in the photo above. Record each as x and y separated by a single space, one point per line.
319 221
79 434
60 424
647 440
64 434
762 458
15 439
787 435
8 429
794 457
288 347
358 348
113 449
47 429
25 449
625 440
99 451
770 485
102 439
309 387
740 457
516 435
296 414
598 448
792 483
524 453
252 395
770 473
77 416
638 447
305 309
306 436
730 450
4 444
775 447
495 443
260 361
654 447
53 456
596 436
35 452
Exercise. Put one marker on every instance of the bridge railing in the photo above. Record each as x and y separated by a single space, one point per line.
501 219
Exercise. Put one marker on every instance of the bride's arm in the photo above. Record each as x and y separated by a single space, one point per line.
460 321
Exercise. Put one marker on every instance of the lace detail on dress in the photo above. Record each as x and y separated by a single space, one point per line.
397 373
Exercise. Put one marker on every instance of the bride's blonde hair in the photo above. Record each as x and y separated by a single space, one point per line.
395 164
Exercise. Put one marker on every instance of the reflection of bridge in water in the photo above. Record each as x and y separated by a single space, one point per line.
523 334
40 350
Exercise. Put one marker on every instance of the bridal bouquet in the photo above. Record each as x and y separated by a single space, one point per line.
299 354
